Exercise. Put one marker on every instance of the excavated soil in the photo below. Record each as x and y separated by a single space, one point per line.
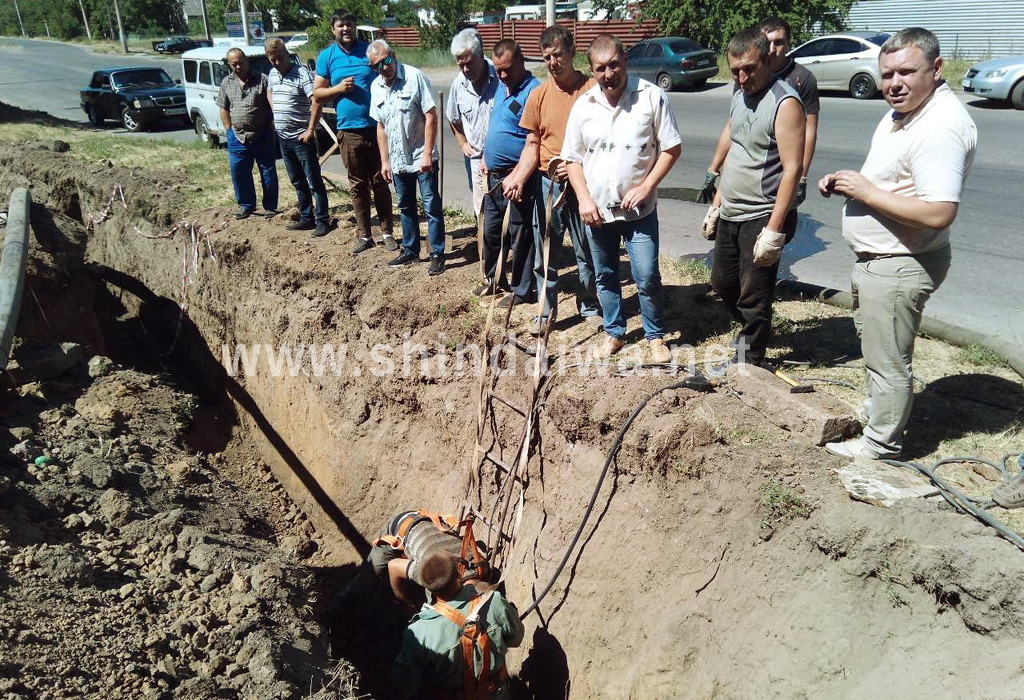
723 558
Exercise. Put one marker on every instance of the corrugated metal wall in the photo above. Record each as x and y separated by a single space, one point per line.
966 28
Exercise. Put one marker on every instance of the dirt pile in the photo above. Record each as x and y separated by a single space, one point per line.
133 568
723 559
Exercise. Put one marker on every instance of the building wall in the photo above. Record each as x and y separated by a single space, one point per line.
966 28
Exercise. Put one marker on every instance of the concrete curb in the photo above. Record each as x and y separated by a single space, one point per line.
12 269
955 335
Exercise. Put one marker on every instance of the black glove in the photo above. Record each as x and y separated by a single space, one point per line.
706 193
801 191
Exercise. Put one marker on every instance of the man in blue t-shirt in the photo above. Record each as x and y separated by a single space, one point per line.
343 77
506 185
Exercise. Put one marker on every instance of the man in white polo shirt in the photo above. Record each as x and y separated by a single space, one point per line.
620 142
899 208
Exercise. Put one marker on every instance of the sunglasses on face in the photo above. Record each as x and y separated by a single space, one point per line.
386 61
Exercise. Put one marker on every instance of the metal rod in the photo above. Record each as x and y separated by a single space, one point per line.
20 23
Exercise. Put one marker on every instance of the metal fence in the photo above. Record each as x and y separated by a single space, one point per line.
527 33
965 28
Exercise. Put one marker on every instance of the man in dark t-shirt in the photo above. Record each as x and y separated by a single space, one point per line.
777 31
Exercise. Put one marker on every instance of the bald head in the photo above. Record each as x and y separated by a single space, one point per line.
238 62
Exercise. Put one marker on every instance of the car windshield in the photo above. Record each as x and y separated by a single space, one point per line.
879 39
152 76
683 46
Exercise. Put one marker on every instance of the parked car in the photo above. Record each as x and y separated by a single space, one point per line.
672 61
297 41
847 61
136 97
178 44
997 79
203 70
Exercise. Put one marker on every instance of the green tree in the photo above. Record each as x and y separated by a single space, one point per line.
450 16
368 11
713 22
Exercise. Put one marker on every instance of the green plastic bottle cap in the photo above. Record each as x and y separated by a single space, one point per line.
43 459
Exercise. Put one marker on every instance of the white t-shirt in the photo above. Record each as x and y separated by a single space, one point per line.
618 146
926 154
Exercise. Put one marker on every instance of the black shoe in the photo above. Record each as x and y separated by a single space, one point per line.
320 232
436 265
511 300
301 226
362 244
271 213
390 243
404 259
243 214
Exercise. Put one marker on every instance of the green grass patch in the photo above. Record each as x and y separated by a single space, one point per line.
980 356
780 503
693 270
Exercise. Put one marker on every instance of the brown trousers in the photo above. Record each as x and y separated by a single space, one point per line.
361 158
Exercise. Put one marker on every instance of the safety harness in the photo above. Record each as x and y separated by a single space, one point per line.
472 564
474 637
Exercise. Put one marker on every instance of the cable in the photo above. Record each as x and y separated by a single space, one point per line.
958 499
686 383
837 382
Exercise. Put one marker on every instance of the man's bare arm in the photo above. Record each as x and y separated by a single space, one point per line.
323 91
528 159
589 211
810 141
904 209
225 118
790 135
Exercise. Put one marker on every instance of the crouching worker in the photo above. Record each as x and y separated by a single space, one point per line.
455 646
398 555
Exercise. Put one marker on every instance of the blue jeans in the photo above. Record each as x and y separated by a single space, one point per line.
566 218
641 239
303 166
241 156
405 188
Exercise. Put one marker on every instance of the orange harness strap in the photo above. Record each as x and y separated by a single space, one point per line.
474 687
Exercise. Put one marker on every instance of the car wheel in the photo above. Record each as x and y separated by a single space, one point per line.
665 81
862 86
94 118
203 132
1017 95
130 122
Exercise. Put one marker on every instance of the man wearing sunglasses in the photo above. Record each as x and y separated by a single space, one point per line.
402 105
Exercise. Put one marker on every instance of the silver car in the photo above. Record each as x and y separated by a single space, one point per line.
997 79
847 62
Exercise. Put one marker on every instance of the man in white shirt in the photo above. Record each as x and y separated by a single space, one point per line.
469 107
620 142
899 208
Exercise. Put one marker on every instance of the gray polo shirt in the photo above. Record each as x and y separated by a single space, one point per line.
753 168
292 94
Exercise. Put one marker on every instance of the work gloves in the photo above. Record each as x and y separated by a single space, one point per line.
709 229
706 193
801 191
768 247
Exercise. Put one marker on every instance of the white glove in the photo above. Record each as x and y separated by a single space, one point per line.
768 247
709 229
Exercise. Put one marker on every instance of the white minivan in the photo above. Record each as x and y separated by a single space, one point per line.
203 70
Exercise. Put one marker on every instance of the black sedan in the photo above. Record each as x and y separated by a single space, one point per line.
178 44
136 97
672 61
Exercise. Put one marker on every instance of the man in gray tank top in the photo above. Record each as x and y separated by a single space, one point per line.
752 216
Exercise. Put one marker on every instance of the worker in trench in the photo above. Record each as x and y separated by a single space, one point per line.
433 563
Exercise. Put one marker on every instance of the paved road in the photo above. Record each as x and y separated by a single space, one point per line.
984 290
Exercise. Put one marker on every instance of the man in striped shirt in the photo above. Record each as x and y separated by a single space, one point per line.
296 114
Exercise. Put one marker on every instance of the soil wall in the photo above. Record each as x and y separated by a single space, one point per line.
685 587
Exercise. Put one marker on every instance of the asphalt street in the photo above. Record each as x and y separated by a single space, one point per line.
985 287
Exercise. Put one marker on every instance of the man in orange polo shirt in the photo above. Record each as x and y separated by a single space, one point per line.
547 111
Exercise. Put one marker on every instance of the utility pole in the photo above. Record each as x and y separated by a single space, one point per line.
120 28
20 23
550 7
85 18
206 22
245 20
47 25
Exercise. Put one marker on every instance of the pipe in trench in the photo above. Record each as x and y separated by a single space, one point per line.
12 269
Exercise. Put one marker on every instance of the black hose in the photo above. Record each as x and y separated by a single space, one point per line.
958 499
690 382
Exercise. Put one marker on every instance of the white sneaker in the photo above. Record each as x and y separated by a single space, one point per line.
856 450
